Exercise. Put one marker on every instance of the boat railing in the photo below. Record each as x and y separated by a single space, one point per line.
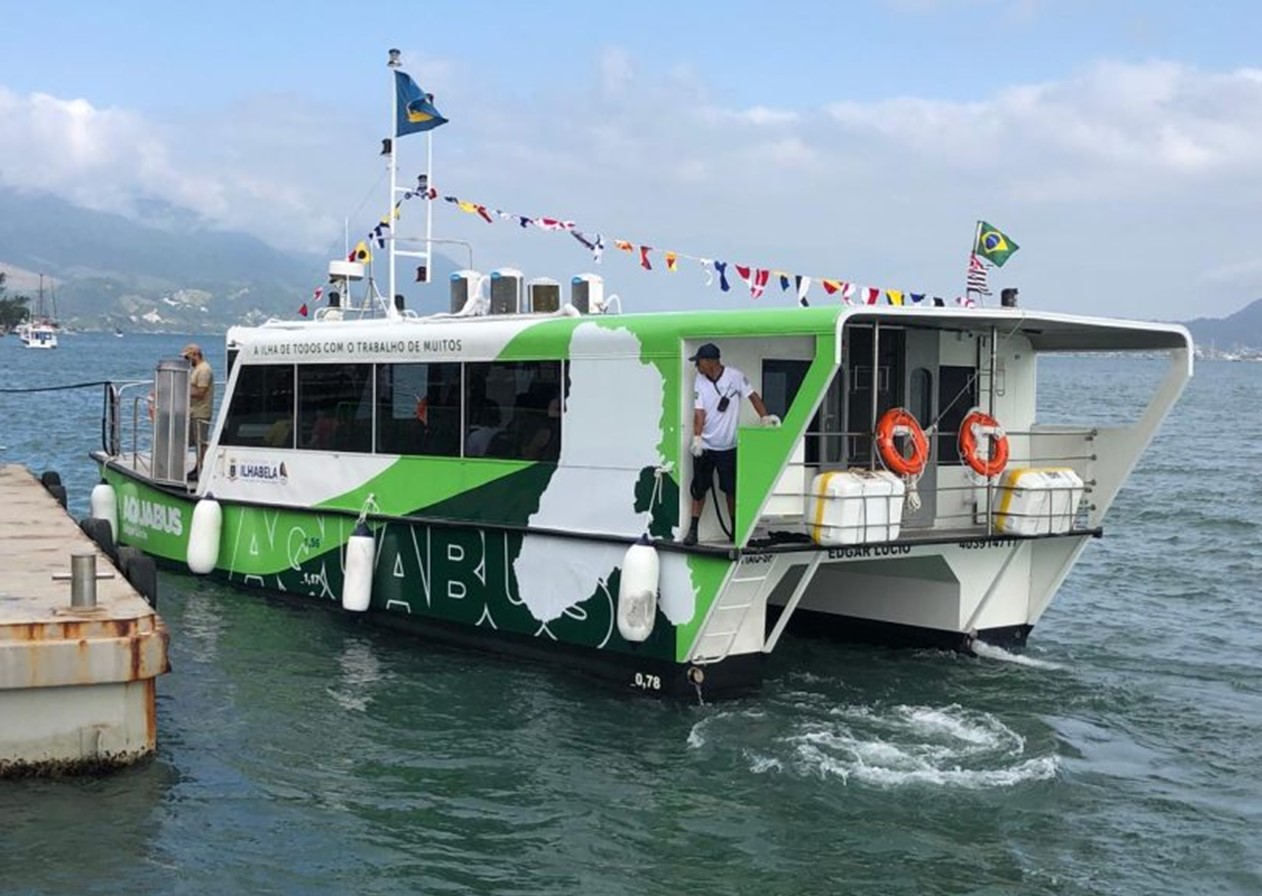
961 501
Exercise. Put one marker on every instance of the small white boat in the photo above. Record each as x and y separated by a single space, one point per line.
41 330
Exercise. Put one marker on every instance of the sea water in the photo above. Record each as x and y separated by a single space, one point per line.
302 751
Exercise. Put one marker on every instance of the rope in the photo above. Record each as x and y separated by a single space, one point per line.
369 506
57 388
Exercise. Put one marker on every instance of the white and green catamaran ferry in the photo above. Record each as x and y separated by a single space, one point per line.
515 473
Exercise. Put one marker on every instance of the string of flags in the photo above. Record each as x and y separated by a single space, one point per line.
990 244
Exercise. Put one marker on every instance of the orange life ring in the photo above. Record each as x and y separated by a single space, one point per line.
901 422
977 424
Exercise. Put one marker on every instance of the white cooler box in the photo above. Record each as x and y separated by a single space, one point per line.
1037 502
854 507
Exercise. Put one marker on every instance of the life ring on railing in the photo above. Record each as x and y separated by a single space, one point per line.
975 426
901 422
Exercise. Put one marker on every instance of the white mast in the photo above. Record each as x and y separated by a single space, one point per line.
396 191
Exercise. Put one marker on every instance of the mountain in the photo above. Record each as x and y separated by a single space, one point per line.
1242 330
170 272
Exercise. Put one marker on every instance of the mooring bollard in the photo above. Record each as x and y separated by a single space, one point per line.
83 579
82 576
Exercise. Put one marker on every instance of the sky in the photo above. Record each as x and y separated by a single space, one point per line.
1118 142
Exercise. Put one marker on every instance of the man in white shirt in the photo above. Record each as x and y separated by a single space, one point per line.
718 391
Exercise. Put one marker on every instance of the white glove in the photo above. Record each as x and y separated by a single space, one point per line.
697 447
769 420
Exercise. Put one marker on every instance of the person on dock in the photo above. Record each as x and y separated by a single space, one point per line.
201 395
717 395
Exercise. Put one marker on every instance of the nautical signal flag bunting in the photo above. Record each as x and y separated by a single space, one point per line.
415 108
993 244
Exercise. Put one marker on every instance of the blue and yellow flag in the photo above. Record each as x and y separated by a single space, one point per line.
993 245
415 109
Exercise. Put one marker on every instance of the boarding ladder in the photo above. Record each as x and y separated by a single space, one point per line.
746 587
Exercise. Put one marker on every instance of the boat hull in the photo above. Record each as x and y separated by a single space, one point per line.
457 584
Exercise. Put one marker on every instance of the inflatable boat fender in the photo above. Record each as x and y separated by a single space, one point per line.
103 505
637 591
203 536
357 581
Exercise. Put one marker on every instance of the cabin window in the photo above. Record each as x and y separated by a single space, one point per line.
261 413
957 395
781 381
418 409
920 396
513 410
335 407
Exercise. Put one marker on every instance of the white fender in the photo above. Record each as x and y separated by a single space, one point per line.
357 581
637 591
203 536
103 505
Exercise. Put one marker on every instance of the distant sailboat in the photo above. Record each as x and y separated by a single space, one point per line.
41 330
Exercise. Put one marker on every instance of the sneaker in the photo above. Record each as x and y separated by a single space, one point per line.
691 538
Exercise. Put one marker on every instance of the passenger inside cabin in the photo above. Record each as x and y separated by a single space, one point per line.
323 431
280 434
485 428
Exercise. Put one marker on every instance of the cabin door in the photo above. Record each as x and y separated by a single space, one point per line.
921 390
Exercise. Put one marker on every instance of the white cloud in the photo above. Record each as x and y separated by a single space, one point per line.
1131 183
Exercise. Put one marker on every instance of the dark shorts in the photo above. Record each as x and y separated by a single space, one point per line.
704 467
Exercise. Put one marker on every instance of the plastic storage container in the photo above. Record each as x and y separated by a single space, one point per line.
854 507
1037 502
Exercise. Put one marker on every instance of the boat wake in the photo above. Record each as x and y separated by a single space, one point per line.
991 652
882 746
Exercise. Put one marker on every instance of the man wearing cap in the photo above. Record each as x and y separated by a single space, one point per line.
201 395
717 395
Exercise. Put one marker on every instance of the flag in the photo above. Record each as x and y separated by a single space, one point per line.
594 244
804 286
895 296
721 267
360 253
977 276
644 257
708 267
317 293
671 260
994 245
414 108
870 295
303 309
759 282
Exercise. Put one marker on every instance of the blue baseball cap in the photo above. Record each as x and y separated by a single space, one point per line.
709 350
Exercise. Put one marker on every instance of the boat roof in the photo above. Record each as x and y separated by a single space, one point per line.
1046 331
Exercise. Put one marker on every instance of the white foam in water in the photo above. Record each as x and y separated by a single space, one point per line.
944 746
991 652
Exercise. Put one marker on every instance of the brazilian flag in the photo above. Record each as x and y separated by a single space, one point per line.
994 245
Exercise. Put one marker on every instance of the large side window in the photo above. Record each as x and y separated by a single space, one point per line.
335 407
261 413
418 409
957 394
513 410
781 380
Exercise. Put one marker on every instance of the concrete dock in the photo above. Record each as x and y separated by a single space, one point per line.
77 684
